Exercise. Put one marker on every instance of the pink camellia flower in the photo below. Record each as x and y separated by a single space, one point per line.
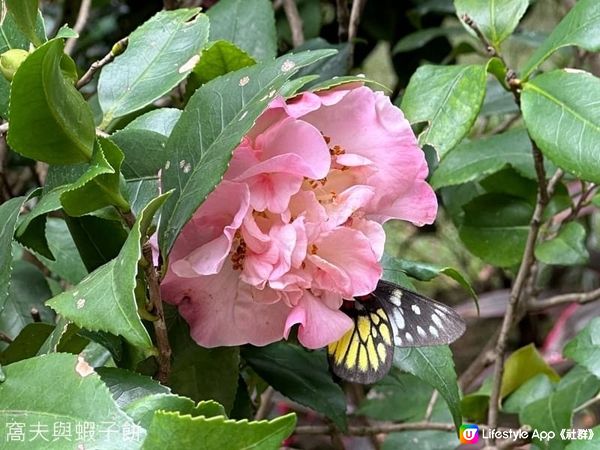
295 227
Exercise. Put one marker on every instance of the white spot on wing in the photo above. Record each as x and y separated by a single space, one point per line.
398 340
433 330
398 319
421 331
416 309
409 337
436 320
396 297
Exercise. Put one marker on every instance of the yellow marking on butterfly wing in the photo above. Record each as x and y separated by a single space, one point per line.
381 351
352 355
364 327
384 330
373 358
382 314
342 346
363 359
331 347
375 318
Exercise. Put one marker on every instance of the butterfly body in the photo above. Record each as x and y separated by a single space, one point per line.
391 316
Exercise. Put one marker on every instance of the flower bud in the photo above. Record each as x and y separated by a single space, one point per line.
10 62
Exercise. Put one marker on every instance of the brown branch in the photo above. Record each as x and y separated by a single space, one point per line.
80 23
357 8
558 300
343 18
160 325
265 404
516 294
432 401
483 360
115 51
506 124
375 429
295 21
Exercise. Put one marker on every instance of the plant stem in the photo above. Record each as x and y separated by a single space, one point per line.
82 18
115 51
293 16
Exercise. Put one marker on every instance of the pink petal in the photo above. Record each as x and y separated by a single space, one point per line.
319 325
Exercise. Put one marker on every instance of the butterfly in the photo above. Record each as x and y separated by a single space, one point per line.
390 316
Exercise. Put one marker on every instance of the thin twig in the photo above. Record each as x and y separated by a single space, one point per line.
5 338
432 401
355 14
506 124
375 429
483 360
80 23
576 297
160 325
343 18
265 404
293 16
515 296
583 201
115 51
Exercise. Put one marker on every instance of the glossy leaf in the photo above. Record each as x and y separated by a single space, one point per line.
249 24
99 186
495 19
567 248
219 58
203 140
581 27
44 98
495 228
25 14
585 347
126 386
472 161
169 429
562 113
435 366
300 375
160 54
105 300
202 373
30 394
420 38
448 98
67 263
27 343
591 444
9 213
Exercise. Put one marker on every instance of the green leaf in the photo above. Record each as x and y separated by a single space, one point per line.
144 152
219 58
300 375
9 213
398 397
420 38
67 264
448 98
61 388
105 300
585 347
435 366
495 19
28 289
160 54
249 24
27 343
87 231
99 186
327 71
203 140
159 121
169 429
562 113
43 98
567 248
522 365
202 373
554 412
581 27
127 387
25 14
422 440
472 161
495 228
142 410
532 390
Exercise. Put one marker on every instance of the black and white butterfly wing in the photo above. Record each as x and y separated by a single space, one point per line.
391 316
418 321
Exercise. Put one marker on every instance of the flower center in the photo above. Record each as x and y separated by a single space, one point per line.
239 254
